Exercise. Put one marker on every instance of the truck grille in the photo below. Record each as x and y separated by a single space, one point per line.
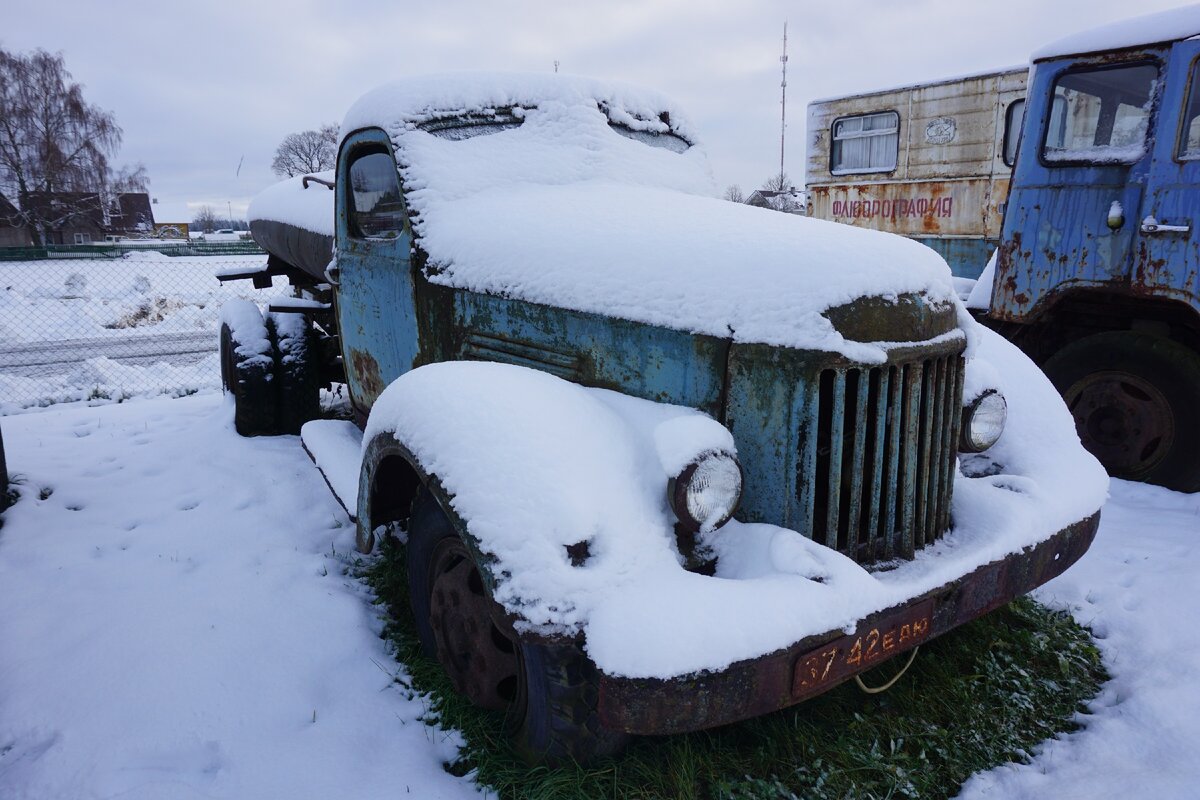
877 473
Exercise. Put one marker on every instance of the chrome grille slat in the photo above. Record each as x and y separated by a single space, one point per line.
877 457
862 386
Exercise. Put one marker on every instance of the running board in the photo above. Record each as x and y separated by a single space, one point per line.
335 447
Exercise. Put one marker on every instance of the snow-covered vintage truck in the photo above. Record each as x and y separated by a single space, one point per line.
663 461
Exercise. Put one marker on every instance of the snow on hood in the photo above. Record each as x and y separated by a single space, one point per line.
564 210
289 202
1164 26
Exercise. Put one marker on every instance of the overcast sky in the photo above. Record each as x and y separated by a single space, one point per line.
199 87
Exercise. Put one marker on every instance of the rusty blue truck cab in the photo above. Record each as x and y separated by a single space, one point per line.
857 449
1098 272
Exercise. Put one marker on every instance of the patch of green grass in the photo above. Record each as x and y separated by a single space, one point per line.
977 697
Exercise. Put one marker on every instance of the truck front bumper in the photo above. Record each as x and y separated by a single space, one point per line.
817 663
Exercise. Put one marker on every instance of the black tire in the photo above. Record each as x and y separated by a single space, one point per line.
296 370
1134 397
3 476
249 378
551 717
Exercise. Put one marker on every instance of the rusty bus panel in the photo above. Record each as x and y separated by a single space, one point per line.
911 208
939 165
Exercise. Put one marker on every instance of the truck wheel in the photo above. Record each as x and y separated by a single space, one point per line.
247 376
296 370
1133 397
548 691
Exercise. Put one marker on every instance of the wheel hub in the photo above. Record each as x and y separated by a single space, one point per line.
1123 420
480 659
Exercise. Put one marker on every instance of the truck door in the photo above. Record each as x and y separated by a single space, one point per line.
1079 180
375 307
1167 263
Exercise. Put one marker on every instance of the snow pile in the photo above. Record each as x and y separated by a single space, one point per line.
563 210
1164 26
980 297
103 380
290 202
534 464
90 298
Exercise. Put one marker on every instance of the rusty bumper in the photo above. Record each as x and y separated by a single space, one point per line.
817 663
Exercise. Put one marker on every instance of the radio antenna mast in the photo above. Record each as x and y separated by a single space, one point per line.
783 59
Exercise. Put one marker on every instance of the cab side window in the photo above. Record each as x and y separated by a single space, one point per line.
1014 118
1101 116
1189 136
376 208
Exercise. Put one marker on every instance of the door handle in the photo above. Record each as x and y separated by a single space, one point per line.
1151 225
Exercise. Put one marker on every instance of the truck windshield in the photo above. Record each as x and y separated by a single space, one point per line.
468 126
1101 116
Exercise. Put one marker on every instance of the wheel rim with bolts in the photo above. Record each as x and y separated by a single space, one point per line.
1122 419
480 659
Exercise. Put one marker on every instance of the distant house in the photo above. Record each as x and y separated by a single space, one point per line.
86 217
791 201
12 234
131 214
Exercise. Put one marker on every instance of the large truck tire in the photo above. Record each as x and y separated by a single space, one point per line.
297 370
247 372
1134 398
548 692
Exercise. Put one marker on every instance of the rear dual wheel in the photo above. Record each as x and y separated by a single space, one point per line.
274 392
1135 398
548 692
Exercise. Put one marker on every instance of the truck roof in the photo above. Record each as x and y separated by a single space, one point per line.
1165 26
559 205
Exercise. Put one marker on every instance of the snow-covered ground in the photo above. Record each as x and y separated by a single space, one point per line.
178 622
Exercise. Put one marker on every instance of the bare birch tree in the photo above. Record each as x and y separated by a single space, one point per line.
55 147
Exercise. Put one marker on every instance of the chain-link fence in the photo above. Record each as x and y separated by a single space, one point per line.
84 323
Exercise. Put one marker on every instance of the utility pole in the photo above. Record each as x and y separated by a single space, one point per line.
783 59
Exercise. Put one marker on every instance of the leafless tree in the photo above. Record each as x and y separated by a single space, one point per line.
55 147
733 193
306 152
205 219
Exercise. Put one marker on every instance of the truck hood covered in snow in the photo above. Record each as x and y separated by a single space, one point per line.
574 201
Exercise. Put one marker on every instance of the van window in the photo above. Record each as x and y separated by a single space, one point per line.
1189 136
376 209
1101 116
1014 118
867 143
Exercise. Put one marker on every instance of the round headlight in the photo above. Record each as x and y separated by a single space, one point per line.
983 422
705 495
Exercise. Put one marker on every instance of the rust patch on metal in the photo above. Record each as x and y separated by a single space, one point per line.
366 370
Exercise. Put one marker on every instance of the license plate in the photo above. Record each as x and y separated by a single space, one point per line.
872 643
